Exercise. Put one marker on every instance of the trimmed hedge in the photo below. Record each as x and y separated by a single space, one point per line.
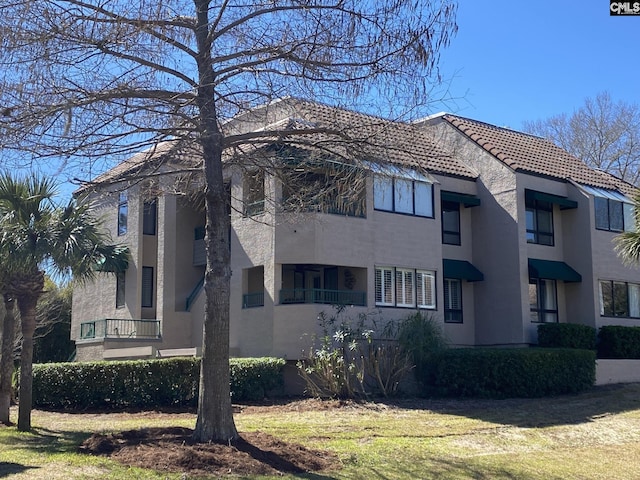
566 335
513 372
615 341
146 383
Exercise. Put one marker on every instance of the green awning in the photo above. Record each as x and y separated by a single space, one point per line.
552 270
563 202
461 269
463 198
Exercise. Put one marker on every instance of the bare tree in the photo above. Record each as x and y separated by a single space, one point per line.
87 83
603 133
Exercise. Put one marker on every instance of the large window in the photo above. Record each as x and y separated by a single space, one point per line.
539 222
149 217
543 301
613 215
451 223
402 195
253 193
123 213
405 287
147 287
452 300
619 299
120 289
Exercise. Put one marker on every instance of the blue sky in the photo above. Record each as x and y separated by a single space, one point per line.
513 61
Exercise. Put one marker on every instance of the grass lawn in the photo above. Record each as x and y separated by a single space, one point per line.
594 435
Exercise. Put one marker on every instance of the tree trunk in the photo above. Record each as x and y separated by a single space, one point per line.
215 415
6 358
27 306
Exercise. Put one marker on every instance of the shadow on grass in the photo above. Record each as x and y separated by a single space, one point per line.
537 412
9 468
47 441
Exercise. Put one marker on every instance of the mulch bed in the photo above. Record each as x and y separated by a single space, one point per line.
172 450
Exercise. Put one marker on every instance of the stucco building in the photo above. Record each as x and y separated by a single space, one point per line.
492 231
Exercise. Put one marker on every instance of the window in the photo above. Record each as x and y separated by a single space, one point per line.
451 223
120 289
619 299
405 287
539 216
123 211
384 286
426 289
452 300
543 301
149 216
253 193
403 195
613 215
147 287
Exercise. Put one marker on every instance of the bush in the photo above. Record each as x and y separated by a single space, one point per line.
515 372
566 335
420 335
145 383
619 342
353 358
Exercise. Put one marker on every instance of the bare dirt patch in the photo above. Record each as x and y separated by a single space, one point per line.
171 449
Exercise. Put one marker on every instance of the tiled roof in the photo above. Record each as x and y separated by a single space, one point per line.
351 134
528 153
336 131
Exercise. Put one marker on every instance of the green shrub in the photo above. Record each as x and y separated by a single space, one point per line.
619 342
420 335
145 383
514 372
566 335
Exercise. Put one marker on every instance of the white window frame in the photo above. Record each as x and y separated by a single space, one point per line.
405 287
426 297
384 282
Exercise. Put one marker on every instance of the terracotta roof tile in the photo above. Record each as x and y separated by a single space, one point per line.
336 131
528 153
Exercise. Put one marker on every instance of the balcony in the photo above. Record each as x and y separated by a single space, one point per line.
253 300
323 296
120 328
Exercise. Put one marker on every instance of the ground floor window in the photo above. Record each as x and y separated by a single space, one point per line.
452 300
619 299
543 300
405 287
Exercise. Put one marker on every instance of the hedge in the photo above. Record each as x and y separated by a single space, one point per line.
146 383
513 372
566 335
619 342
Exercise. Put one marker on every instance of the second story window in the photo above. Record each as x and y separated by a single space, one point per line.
613 215
451 223
123 213
402 195
253 193
149 217
539 222
405 287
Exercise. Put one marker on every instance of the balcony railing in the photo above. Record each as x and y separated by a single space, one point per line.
252 300
321 295
120 328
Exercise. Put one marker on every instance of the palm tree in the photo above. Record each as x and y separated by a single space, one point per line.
627 244
39 235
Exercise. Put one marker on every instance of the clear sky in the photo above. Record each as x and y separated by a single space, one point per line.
516 60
